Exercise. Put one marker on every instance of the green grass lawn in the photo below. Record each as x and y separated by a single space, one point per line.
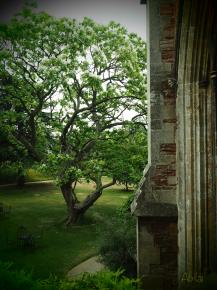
40 207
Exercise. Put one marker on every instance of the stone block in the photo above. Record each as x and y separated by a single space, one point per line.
172 180
155 111
156 209
171 120
156 124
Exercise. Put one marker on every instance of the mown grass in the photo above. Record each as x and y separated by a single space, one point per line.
40 207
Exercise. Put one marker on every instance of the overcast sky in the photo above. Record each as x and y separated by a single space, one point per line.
130 13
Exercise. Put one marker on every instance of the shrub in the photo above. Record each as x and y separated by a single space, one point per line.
35 175
125 208
104 280
15 280
118 242
11 175
8 175
20 280
52 283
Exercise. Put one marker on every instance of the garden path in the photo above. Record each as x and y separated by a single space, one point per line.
91 265
29 182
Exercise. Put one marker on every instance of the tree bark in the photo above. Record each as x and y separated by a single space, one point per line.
74 207
71 200
20 181
92 197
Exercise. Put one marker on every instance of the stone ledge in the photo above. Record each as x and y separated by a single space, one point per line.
156 209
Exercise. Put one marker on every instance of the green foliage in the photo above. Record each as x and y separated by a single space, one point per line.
52 283
8 154
122 155
125 208
9 174
11 279
104 280
118 243
33 174
55 163
15 280
19 280
65 87
126 154
41 90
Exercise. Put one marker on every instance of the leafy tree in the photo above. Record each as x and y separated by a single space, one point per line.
126 154
67 85
12 160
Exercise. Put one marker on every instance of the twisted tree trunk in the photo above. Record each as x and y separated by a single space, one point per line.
70 200
74 207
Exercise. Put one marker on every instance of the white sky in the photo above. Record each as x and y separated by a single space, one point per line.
129 13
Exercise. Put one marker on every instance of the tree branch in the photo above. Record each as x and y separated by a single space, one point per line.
92 197
113 125
32 151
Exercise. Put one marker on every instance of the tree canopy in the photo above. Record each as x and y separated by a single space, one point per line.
125 154
66 88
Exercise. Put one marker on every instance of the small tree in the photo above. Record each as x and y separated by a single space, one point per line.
68 85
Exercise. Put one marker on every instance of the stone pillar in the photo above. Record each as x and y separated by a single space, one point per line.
196 140
155 200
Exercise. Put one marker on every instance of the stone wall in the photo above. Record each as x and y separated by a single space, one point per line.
160 174
182 46
159 252
158 185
